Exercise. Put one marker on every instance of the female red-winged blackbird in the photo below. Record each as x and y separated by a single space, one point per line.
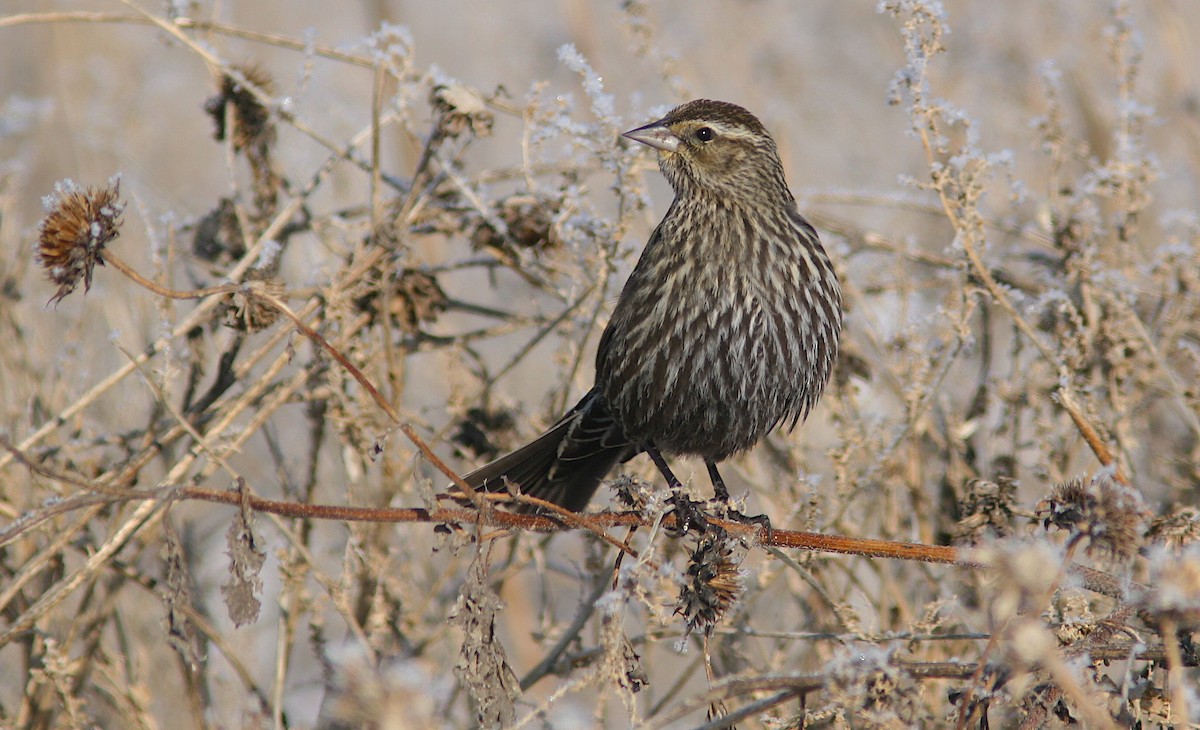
727 327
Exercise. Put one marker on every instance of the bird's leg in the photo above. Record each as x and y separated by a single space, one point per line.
688 514
719 490
721 494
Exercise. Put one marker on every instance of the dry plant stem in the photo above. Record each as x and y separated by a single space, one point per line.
270 39
792 684
97 560
183 422
967 239
202 625
35 564
579 519
1177 388
215 63
1097 646
1176 677
366 383
162 291
994 640
201 314
66 585
550 661
1093 580
730 720
1103 454
900 203
1067 682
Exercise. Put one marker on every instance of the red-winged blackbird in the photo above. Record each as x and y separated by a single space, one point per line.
727 327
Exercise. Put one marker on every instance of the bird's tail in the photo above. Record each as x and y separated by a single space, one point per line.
565 464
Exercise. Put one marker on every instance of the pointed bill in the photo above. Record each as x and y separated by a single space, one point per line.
654 135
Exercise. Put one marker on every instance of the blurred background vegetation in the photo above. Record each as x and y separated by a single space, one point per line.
1008 190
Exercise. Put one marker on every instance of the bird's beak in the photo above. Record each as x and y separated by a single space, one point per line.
654 135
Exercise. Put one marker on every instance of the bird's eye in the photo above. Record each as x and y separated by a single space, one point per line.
704 134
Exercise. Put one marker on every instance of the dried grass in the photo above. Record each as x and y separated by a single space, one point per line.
221 489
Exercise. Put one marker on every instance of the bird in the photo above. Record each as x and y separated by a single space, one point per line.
727 327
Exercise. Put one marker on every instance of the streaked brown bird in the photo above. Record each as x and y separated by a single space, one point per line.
727 327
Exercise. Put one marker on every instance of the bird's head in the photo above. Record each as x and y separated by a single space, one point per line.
714 147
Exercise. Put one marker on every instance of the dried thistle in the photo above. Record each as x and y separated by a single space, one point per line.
246 560
79 222
249 313
1070 616
218 236
987 510
1112 516
1178 528
415 298
632 493
870 689
530 222
252 125
711 585
461 108
253 131
182 634
478 427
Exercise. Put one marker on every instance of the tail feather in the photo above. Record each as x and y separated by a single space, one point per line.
566 464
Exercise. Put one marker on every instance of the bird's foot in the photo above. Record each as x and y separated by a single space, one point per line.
763 522
689 514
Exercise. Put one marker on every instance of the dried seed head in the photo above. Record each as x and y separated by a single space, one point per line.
987 510
530 223
419 298
632 493
1112 516
871 690
416 298
479 427
1178 528
461 108
79 222
1173 588
1070 616
712 583
249 313
218 235
251 120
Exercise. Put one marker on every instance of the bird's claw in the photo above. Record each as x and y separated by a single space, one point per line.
762 521
726 510
689 515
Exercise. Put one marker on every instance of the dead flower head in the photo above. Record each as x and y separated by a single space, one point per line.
416 298
711 585
530 222
250 313
462 108
870 689
479 428
79 222
987 510
1179 527
251 119
1112 516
